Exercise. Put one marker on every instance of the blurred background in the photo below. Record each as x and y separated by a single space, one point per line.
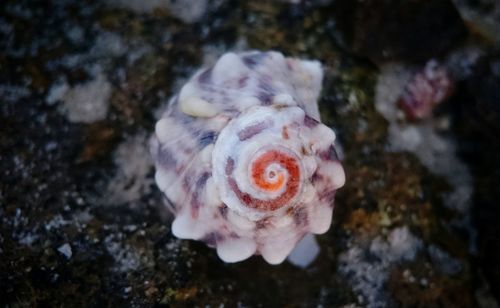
412 89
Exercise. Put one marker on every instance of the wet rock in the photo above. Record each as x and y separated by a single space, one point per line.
413 30
484 86
477 120
83 188
188 11
482 18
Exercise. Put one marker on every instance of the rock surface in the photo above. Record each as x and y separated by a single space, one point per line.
411 30
82 223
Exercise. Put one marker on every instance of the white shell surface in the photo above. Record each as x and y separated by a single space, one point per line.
242 159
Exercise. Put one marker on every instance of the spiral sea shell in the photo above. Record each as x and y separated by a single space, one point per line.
242 159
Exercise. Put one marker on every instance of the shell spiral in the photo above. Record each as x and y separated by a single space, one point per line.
242 159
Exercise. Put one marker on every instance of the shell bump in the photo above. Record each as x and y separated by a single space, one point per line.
242 158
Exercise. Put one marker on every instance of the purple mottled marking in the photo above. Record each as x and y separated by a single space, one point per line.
310 122
207 138
195 202
242 82
252 130
327 195
265 82
316 177
253 60
329 155
166 158
229 166
212 238
266 91
300 216
223 210
206 76
261 224
265 98
202 180
186 184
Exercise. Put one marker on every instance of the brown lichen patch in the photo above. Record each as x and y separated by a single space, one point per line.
185 294
266 28
421 286
361 223
99 140
267 13
120 20
388 192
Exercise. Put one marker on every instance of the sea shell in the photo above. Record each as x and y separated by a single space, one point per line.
428 88
242 159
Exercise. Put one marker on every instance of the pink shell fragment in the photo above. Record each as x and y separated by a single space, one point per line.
427 89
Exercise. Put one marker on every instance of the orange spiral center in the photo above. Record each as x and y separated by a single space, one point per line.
286 178
262 179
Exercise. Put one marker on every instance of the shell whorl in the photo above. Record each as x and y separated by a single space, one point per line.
257 161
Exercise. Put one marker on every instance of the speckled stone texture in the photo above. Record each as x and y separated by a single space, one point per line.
411 30
82 224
